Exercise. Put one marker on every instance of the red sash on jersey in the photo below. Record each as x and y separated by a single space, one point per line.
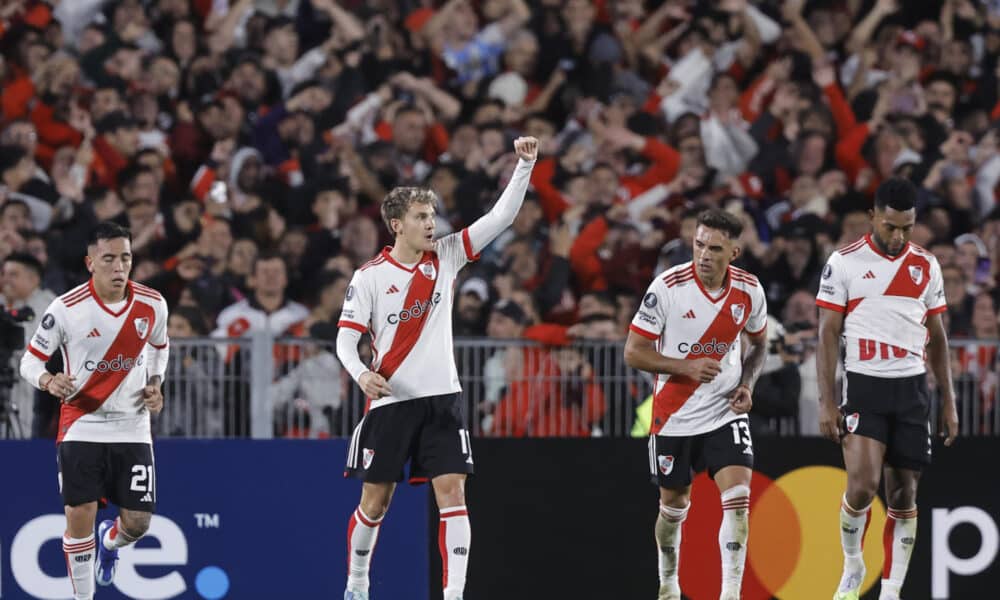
418 303
725 328
129 344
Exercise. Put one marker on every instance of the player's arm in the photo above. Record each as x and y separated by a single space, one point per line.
641 353
831 325
371 383
157 356
48 336
938 356
354 316
501 216
741 399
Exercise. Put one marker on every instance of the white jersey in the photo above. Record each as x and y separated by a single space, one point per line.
112 352
686 322
408 311
885 301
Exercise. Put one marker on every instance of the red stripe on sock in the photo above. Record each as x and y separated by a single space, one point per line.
79 547
457 513
361 517
443 548
69 571
864 533
887 536
350 533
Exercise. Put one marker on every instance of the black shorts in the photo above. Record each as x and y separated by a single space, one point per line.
893 411
673 460
122 474
429 432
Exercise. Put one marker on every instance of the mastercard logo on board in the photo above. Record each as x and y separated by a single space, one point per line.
794 548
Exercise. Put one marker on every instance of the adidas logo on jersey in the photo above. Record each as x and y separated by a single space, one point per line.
392 289
689 315
869 275
146 498
94 333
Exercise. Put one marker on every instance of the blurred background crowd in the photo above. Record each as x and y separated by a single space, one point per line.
248 143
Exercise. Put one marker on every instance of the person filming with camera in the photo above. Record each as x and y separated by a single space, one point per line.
787 384
22 297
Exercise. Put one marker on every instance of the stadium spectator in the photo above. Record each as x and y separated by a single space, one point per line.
276 116
22 279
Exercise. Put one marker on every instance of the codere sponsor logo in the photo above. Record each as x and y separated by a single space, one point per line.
118 363
713 347
416 311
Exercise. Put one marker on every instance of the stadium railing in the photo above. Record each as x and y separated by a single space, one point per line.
263 387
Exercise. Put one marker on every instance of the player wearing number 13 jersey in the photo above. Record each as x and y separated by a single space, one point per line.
688 331
404 298
112 334
884 297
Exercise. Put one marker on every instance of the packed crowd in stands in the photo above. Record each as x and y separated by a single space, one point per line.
247 145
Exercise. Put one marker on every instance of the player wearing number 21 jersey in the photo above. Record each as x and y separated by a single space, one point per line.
112 335
688 332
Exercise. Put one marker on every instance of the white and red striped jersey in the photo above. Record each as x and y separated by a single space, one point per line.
415 355
112 351
885 300
687 322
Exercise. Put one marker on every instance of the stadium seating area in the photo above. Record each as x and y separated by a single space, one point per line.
223 130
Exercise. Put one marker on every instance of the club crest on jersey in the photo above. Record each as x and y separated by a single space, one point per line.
369 455
428 270
916 274
141 326
666 463
852 421
738 312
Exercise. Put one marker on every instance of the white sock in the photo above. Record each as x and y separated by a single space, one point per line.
733 534
853 527
669 525
80 554
454 539
116 536
899 537
362 534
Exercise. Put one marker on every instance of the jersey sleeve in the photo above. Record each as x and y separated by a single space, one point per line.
757 322
455 250
832 287
934 294
158 349
358 303
50 334
651 317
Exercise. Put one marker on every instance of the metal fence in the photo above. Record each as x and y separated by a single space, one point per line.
262 387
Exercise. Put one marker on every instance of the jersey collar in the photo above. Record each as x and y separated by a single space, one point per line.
877 250
725 289
129 296
388 257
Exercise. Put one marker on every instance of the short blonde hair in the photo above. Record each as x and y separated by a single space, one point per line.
398 201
